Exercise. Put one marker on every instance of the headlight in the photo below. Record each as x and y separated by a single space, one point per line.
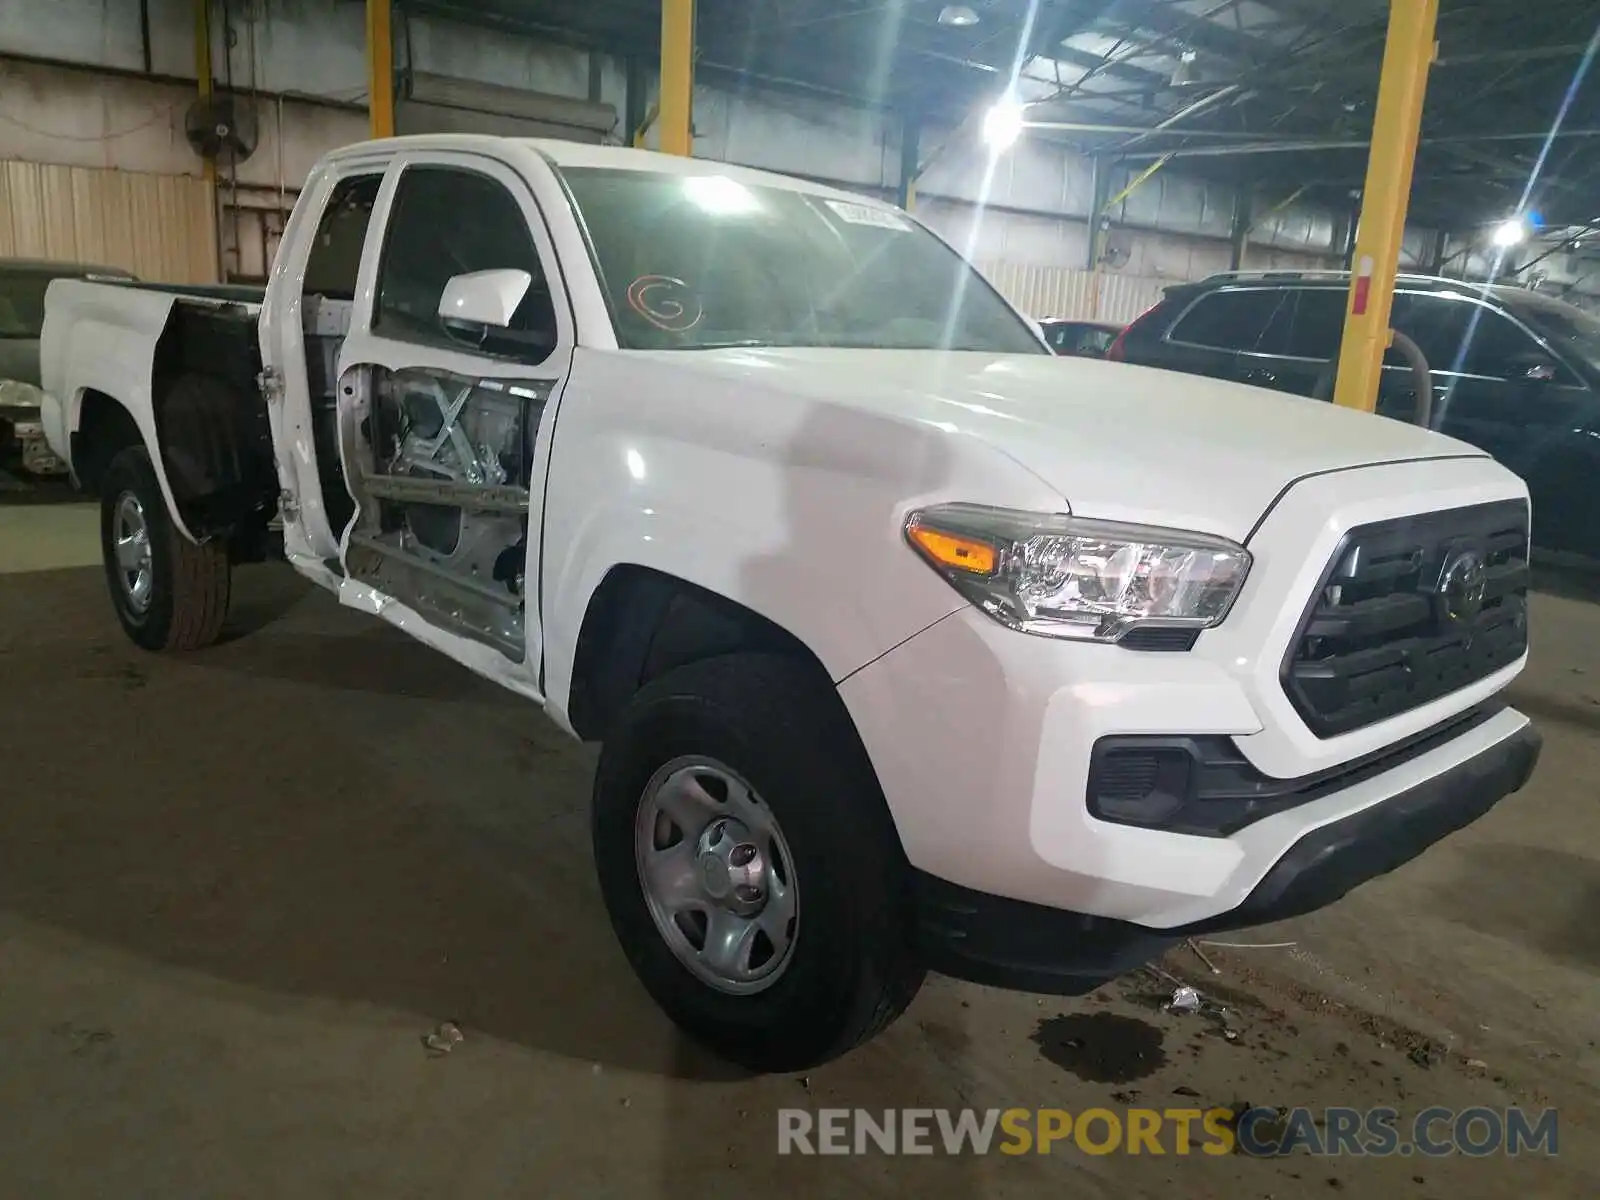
1075 578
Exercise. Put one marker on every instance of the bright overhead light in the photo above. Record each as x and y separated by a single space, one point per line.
958 16
721 195
1510 233
1002 124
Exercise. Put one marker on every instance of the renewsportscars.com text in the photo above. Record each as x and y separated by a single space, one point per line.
1261 1132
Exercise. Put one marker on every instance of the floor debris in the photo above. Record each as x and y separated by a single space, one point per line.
1184 1000
445 1038
1201 955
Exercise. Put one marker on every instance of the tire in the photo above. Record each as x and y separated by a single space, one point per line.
850 969
183 600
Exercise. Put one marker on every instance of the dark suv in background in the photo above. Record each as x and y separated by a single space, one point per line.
1514 372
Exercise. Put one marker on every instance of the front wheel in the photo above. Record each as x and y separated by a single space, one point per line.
749 865
168 592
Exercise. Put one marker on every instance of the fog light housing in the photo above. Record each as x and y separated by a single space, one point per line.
1139 785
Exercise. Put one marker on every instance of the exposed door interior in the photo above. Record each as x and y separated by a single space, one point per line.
440 415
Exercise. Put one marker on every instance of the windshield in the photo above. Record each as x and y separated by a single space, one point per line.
1570 330
699 261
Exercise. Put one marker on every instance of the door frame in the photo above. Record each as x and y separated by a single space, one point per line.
363 349
283 350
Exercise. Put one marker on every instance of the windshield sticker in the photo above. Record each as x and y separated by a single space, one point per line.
866 214
665 302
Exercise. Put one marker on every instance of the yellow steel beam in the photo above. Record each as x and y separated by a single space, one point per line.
649 119
1097 220
380 68
1135 184
202 66
677 77
1281 205
1407 54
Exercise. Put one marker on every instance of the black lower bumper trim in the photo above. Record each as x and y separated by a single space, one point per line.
1014 944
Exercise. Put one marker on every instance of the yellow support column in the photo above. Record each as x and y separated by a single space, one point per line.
1406 57
677 77
380 68
202 66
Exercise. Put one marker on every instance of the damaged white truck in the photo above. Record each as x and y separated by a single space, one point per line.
909 645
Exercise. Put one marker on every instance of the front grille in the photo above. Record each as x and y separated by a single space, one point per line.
1398 621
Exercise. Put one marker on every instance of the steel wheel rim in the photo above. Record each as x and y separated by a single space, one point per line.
130 536
717 876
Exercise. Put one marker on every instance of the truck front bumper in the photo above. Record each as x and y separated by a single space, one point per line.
1011 943
983 740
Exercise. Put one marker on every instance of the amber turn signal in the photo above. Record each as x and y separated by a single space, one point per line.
953 550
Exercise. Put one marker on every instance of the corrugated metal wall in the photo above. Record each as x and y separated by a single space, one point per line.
1062 292
160 227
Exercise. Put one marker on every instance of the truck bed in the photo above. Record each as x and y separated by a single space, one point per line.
184 363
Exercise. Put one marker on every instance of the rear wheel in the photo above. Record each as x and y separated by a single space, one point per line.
169 594
749 865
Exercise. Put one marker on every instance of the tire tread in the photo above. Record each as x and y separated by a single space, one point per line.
201 589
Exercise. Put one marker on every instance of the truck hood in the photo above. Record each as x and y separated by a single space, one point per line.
1118 442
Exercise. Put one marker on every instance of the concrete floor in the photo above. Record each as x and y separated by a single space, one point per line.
238 888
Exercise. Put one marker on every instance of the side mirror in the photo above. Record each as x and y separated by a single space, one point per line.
482 300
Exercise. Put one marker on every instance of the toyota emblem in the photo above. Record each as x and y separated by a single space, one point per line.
1461 586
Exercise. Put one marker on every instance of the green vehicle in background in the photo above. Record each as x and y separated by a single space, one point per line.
22 286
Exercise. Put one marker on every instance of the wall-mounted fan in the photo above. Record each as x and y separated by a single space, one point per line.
222 127
1114 254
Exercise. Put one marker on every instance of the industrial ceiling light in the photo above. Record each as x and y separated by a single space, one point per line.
1510 233
1002 124
957 16
1186 72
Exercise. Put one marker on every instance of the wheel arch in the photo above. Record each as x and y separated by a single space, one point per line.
105 427
198 413
215 438
641 622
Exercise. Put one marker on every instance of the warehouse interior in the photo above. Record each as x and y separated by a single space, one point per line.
853 95
311 911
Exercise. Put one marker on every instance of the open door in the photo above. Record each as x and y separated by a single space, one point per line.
447 382
320 266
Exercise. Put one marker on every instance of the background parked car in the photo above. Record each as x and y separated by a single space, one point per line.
1514 372
1079 339
22 286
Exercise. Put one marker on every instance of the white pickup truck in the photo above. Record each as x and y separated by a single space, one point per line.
909 645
